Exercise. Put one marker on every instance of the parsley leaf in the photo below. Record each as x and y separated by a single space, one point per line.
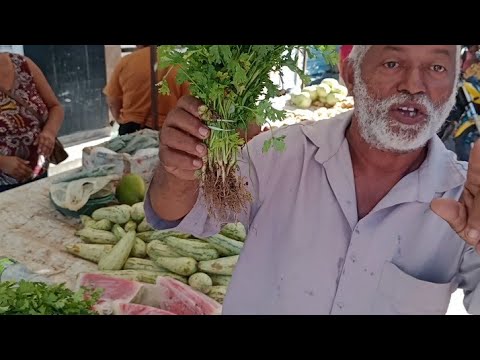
36 298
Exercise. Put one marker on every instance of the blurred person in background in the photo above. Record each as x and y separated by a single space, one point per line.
129 92
30 118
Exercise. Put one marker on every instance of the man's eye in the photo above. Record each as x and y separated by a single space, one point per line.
438 68
391 64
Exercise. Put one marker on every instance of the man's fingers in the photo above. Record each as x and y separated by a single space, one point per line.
178 140
190 104
179 160
181 174
182 120
473 174
452 212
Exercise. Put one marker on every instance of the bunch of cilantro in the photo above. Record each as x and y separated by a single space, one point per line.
234 82
36 298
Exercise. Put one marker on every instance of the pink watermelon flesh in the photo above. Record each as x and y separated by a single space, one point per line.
137 309
181 299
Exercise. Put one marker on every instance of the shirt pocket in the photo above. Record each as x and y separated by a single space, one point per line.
401 294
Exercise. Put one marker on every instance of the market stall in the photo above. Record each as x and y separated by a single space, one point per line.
87 228
35 233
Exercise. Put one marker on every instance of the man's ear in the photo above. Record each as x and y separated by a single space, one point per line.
346 73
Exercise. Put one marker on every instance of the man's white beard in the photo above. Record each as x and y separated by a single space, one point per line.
382 132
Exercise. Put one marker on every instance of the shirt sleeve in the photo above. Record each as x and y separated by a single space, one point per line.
198 222
113 88
469 275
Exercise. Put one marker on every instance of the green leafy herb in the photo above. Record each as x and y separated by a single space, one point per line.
36 298
234 83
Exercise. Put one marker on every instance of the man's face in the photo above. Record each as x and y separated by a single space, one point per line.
404 93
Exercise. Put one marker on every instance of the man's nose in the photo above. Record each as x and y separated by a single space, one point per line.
412 82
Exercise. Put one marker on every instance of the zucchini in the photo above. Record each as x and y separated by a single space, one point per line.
130 225
123 274
95 236
192 248
118 231
157 248
86 220
144 226
117 257
220 279
200 282
144 276
91 252
184 266
139 249
138 212
102 225
162 234
145 236
221 266
218 293
118 214
235 231
150 277
134 263
230 247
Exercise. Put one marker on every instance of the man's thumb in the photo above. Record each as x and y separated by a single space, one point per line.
451 211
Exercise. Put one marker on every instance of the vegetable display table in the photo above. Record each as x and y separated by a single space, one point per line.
35 234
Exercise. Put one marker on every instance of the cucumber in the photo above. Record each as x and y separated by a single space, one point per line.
117 257
130 225
139 249
91 252
134 263
200 282
184 266
118 231
118 214
144 226
235 231
157 248
218 293
95 236
220 279
221 266
192 248
102 225
230 247
138 213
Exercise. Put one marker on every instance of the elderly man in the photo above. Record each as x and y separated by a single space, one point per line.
365 213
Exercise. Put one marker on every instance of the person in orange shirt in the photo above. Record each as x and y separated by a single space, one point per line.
129 92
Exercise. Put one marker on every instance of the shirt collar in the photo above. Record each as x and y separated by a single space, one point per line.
439 172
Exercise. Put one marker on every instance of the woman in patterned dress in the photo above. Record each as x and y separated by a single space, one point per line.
24 137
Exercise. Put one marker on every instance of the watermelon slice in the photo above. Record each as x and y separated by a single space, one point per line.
176 297
120 308
113 289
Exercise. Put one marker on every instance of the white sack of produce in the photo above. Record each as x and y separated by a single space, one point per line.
130 153
75 194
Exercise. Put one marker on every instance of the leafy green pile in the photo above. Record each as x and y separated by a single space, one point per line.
36 298
234 82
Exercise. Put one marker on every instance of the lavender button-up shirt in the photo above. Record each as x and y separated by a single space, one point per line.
307 252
